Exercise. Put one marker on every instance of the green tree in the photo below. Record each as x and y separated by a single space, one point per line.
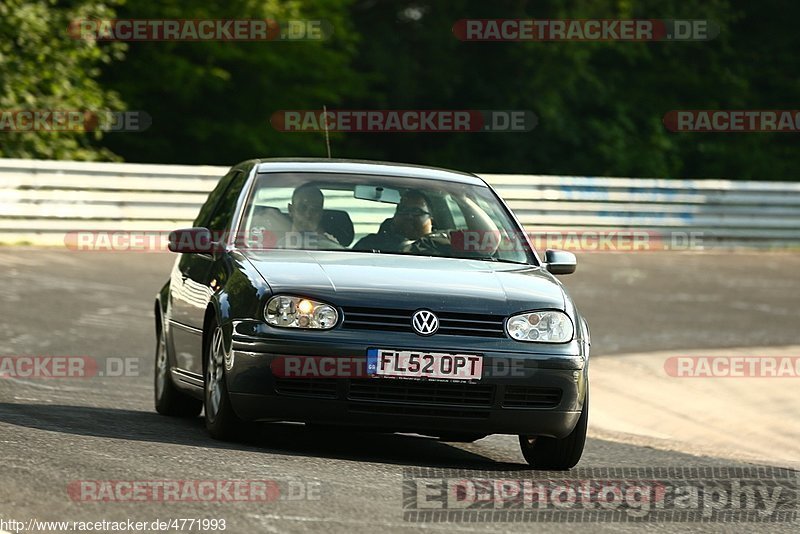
600 104
211 101
43 68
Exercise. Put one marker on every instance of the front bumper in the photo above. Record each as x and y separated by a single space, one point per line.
514 396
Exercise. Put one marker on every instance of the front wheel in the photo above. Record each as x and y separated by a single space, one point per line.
221 421
557 454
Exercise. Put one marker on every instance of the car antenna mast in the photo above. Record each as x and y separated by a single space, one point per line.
325 126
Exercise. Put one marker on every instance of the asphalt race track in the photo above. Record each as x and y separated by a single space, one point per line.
54 433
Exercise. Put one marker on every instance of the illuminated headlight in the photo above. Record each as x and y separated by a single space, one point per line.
297 312
541 327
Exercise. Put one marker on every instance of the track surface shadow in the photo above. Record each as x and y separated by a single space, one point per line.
275 438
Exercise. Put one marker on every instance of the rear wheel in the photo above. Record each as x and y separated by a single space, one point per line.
169 400
554 453
221 421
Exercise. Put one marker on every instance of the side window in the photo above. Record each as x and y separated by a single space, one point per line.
223 212
212 200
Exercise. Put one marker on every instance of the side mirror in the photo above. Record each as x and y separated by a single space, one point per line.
188 240
560 261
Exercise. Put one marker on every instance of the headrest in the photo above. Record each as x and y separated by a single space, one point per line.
386 226
339 225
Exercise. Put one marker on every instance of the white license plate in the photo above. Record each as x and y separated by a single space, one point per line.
421 364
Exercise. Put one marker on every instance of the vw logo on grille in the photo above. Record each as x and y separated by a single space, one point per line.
425 323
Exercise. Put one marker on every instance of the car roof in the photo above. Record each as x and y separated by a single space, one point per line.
356 166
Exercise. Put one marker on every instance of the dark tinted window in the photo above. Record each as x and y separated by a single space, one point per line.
211 202
223 212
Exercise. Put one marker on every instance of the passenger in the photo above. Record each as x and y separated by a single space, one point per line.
305 210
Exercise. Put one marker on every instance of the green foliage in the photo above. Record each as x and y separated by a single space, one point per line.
43 68
212 101
600 104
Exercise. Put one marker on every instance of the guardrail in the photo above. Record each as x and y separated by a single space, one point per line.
42 200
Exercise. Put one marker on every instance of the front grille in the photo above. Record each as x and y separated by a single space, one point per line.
307 387
376 319
421 392
531 397
426 411
453 324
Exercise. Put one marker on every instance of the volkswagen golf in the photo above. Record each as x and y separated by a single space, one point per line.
372 296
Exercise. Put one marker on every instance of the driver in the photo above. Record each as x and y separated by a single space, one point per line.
412 220
411 228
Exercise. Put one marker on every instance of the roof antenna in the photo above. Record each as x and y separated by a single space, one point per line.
325 125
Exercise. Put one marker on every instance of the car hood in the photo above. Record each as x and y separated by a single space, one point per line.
408 282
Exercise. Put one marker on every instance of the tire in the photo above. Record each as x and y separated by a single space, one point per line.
168 399
557 454
221 421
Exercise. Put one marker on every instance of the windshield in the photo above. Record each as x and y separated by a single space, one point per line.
380 215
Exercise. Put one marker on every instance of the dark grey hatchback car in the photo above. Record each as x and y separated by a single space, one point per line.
380 296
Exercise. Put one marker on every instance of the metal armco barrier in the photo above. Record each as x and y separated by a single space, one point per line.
41 201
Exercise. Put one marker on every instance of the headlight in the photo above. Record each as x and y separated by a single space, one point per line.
297 312
542 327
